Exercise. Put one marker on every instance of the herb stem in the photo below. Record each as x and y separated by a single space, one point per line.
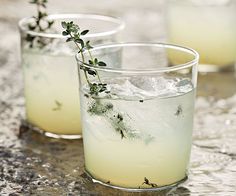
94 70
82 56
86 77
90 55
39 17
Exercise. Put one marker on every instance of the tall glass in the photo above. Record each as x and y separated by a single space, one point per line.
50 73
209 27
137 132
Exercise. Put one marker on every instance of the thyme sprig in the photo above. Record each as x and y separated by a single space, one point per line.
58 106
74 33
147 182
40 24
115 118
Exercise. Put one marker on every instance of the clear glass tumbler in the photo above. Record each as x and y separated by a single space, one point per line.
209 27
137 128
50 73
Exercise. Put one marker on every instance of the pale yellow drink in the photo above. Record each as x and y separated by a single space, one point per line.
51 92
208 27
157 133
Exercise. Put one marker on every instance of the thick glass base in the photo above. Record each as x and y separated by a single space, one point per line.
214 68
49 134
160 188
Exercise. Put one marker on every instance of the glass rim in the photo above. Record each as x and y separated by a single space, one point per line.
150 44
120 25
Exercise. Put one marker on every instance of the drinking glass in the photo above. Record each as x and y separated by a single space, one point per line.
137 114
50 73
208 26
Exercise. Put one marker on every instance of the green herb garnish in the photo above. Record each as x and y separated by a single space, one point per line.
179 110
73 31
40 24
147 182
115 118
58 106
97 107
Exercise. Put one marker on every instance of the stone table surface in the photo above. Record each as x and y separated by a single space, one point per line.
31 164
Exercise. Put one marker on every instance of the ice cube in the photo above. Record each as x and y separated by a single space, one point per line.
148 83
184 85
156 86
143 87
146 87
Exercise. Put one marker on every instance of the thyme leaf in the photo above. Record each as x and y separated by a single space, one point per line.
147 182
179 110
40 24
58 106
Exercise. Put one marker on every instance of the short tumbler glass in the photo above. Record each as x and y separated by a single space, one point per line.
50 73
137 130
